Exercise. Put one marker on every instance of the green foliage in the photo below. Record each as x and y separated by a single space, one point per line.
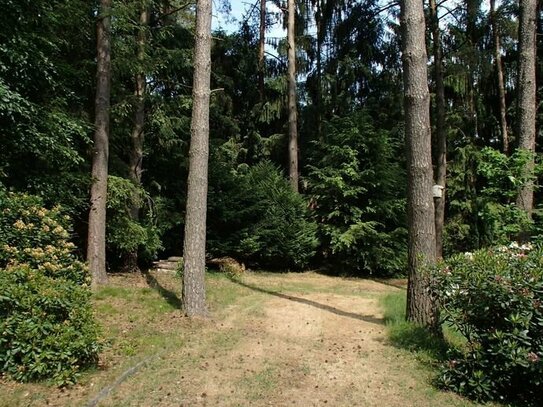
494 299
48 330
256 217
502 177
43 83
482 189
357 194
47 325
124 233
37 237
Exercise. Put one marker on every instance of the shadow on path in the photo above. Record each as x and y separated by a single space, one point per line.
400 283
170 297
366 318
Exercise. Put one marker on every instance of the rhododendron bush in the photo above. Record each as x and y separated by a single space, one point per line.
494 298
47 330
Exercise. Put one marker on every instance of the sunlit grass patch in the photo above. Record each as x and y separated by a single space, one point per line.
258 384
409 336
148 299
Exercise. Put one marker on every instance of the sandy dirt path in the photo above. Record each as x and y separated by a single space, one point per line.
296 340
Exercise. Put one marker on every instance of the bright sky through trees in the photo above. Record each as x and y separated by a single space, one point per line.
240 10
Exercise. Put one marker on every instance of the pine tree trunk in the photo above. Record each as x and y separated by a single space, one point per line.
501 83
193 297
421 307
527 96
137 136
441 131
96 249
320 34
472 7
292 108
261 47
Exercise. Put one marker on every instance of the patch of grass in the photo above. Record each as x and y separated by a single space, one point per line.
428 350
112 292
305 369
145 298
226 341
140 322
223 292
261 383
105 308
406 335
293 283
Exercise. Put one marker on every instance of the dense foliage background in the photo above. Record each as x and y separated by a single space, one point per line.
351 138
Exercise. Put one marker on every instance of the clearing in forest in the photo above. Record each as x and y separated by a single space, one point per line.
273 340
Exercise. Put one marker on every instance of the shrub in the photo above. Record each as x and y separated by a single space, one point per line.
46 322
125 234
357 188
37 237
482 189
48 330
494 298
257 218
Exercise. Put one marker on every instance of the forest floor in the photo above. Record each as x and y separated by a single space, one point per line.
289 339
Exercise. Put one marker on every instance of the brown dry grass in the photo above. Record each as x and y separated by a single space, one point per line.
274 340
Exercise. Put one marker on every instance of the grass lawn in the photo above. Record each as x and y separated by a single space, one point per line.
300 339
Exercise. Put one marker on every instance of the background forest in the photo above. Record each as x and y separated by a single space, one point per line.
350 215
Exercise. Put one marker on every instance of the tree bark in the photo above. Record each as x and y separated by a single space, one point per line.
137 135
261 48
421 307
193 297
527 97
501 83
292 108
96 249
472 8
320 35
441 131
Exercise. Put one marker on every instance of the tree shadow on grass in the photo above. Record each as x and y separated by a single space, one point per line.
366 318
418 339
170 296
407 335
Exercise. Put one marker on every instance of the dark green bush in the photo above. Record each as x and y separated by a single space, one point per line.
357 187
47 326
125 234
495 299
38 237
46 322
255 217
482 188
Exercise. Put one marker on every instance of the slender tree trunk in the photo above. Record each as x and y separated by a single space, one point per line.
499 70
527 96
441 131
137 136
421 307
261 47
472 7
194 296
318 22
96 249
292 108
